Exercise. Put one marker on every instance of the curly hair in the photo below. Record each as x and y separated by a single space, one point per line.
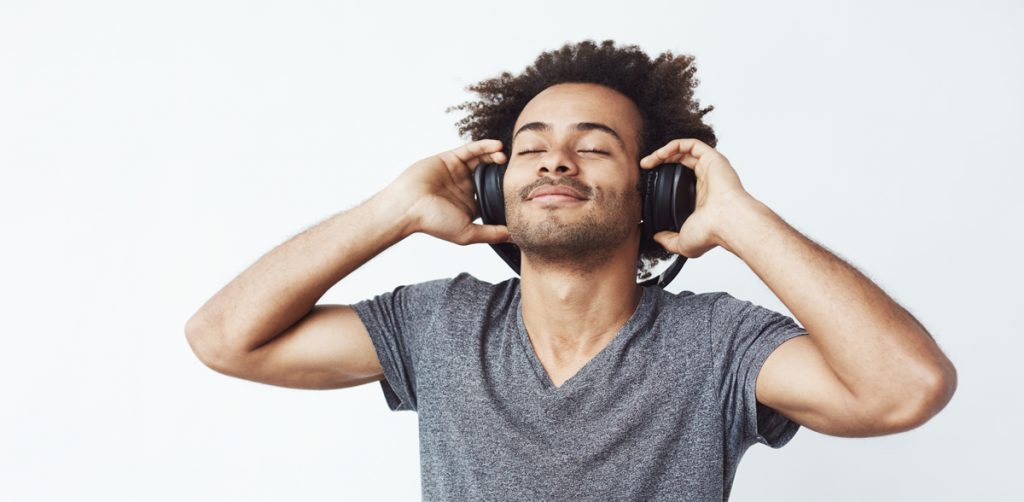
662 90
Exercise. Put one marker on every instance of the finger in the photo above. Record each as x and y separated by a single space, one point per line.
685 159
668 240
650 161
687 145
486 150
660 156
677 150
463 161
491 234
487 158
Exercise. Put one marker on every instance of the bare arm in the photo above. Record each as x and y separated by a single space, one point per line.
265 325
282 286
867 367
889 374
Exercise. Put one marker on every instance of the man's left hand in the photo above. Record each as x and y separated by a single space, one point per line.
719 192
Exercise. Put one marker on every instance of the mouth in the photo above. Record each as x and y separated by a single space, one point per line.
555 198
556 193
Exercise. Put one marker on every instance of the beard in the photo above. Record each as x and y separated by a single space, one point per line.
573 237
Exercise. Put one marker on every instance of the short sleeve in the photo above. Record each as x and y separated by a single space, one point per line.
743 335
397 321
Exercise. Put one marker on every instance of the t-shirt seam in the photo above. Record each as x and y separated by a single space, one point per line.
756 365
375 331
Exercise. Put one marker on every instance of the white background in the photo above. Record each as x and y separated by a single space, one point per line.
151 152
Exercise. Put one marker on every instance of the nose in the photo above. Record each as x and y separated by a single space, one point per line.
564 164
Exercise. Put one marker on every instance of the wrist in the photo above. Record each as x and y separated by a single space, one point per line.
743 218
390 207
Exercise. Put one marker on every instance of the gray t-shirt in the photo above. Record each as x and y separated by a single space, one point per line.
664 412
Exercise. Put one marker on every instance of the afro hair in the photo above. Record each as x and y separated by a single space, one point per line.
662 90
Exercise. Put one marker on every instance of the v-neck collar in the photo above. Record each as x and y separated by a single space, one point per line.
543 381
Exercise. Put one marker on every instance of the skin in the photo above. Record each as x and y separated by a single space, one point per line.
867 367
578 273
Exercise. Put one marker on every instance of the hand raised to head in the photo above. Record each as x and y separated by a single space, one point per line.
439 190
718 191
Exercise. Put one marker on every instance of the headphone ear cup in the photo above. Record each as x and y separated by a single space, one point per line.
684 197
488 181
670 197
675 197
647 229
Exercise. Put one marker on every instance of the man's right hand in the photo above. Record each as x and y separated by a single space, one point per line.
439 192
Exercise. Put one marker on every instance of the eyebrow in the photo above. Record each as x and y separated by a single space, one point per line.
578 126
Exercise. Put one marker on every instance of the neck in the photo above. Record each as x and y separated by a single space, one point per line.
573 312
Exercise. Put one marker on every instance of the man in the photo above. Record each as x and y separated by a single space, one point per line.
572 382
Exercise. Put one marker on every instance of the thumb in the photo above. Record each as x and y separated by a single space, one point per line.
668 240
491 234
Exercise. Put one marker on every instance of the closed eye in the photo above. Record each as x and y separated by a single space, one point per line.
523 152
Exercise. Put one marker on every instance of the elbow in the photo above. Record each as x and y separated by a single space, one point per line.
928 400
210 347
202 340
194 330
193 327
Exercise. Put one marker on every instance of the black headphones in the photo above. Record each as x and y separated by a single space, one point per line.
669 197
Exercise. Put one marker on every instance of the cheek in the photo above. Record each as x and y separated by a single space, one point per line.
621 196
511 185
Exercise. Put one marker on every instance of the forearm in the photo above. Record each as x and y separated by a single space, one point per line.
284 284
874 346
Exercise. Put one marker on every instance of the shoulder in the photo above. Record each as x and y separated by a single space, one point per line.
468 291
709 311
715 303
684 311
689 303
444 286
467 282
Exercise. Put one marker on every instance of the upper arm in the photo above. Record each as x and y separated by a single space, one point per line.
796 381
329 348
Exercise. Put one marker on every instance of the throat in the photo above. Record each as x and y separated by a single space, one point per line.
561 369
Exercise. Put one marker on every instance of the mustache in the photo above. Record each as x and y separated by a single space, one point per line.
569 182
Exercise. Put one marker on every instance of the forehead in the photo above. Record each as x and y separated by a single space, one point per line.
569 103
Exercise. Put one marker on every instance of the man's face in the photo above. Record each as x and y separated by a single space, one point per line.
552 149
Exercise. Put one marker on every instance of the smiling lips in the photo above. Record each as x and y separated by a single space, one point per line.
555 193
